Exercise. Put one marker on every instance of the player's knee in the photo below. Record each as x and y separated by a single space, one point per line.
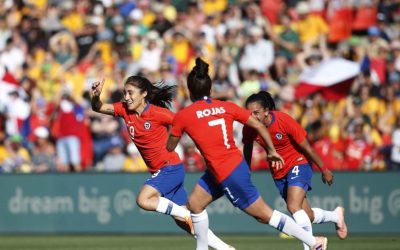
293 208
262 219
142 202
311 215
194 207
139 202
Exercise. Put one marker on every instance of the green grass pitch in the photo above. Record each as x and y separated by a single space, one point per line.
181 242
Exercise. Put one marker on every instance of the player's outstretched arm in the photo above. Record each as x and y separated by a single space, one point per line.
327 176
97 104
272 155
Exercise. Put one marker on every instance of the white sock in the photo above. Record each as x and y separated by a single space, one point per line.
200 225
215 242
285 224
322 216
166 206
304 222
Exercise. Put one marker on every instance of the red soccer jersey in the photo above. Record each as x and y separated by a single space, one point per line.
209 123
286 134
149 133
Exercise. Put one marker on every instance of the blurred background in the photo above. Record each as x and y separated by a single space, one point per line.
332 65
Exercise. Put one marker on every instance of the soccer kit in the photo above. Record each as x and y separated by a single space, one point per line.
149 133
286 135
209 123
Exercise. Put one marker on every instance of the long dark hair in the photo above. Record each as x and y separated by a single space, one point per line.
158 93
263 98
198 80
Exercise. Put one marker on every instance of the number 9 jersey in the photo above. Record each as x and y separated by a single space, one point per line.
209 123
149 133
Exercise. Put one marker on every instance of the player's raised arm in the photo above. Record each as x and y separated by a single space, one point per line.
97 104
273 156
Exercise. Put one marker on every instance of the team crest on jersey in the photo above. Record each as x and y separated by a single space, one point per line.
279 136
147 125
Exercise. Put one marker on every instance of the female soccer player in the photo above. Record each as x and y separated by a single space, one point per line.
209 123
294 179
147 118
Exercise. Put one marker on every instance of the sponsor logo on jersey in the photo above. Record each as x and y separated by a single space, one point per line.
279 136
208 112
147 125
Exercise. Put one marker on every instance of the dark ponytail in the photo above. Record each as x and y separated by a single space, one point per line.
158 94
263 98
198 80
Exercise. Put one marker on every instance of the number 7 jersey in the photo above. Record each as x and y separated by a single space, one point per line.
210 125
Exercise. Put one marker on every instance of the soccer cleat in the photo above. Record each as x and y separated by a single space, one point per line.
341 228
285 236
189 222
322 243
231 248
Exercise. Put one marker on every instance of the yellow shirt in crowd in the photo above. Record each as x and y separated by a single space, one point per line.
3 154
310 28
73 22
210 7
135 165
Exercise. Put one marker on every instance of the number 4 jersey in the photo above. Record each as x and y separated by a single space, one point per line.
210 125
286 135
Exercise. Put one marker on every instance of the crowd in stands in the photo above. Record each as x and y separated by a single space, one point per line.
51 51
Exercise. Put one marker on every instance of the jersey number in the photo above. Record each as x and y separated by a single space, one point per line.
132 132
296 170
221 122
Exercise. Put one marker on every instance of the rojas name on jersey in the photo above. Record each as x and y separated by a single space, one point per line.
208 112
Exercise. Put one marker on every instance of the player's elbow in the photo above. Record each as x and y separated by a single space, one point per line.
96 107
96 104
259 127
172 143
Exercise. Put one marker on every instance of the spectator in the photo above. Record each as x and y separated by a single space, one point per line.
59 45
150 60
312 28
17 158
3 150
287 41
5 33
114 159
358 150
258 55
12 57
119 37
43 153
67 126
395 152
103 129
17 110
161 24
134 161
65 50
193 160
